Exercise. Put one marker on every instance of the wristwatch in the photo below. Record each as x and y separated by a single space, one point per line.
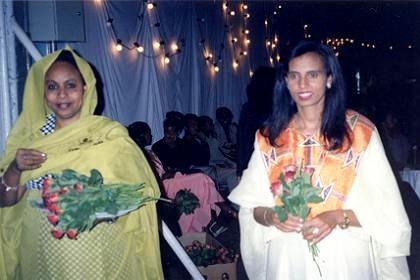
346 221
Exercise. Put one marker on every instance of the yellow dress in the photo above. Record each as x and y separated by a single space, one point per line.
127 249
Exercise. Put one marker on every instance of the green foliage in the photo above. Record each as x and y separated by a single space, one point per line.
186 201
76 199
296 196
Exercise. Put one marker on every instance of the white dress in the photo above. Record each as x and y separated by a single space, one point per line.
377 250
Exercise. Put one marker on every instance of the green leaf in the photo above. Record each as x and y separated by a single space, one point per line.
96 178
281 213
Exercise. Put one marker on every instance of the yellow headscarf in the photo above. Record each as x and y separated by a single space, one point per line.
35 109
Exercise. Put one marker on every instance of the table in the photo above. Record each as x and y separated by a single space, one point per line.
412 177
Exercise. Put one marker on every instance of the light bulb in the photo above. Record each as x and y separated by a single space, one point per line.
245 7
156 44
232 13
216 68
167 60
174 47
150 5
119 46
235 64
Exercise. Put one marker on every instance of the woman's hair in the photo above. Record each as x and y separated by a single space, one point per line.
333 124
136 131
67 56
223 112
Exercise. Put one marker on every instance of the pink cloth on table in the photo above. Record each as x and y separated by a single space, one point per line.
203 187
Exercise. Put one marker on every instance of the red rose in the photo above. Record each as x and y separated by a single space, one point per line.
57 233
71 233
276 188
55 209
46 183
52 198
63 190
309 170
289 173
53 219
78 187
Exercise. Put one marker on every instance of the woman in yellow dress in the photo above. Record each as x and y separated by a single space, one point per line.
55 131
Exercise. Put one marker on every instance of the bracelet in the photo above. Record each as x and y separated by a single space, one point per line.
346 221
265 218
8 188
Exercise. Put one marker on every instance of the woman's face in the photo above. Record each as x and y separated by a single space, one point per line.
307 81
64 92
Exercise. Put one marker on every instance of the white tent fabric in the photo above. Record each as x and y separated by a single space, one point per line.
8 86
137 87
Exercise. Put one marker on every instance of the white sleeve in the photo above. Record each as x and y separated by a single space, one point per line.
377 203
254 188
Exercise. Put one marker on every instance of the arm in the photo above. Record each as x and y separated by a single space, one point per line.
11 192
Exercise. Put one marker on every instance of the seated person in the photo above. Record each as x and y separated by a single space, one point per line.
225 168
197 147
226 132
171 149
200 184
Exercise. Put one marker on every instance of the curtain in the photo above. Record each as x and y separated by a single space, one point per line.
137 87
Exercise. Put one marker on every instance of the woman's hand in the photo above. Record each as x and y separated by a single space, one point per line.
266 216
292 224
318 228
28 159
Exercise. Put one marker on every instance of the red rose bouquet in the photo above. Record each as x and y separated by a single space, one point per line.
75 202
294 194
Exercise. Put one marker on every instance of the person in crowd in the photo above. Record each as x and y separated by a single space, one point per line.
396 144
172 150
200 184
198 149
225 169
360 228
179 119
226 132
254 113
57 130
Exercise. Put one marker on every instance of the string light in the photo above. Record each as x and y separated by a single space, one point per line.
156 44
266 22
235 64
139 48
225 6
216 68
167 59
150 5
109 22
247 41
119 46
174 47
232 13
245 6
245 31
